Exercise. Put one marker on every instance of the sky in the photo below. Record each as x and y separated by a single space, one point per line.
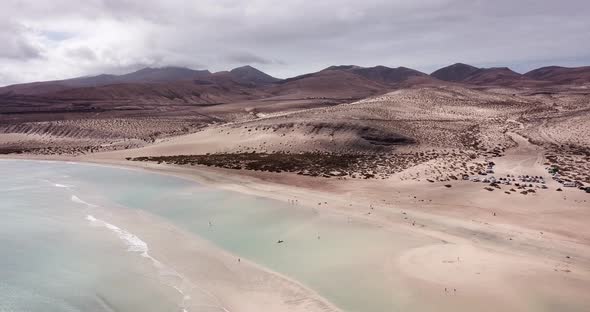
57 39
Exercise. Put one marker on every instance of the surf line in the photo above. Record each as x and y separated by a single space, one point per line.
135 244
77 199
58 185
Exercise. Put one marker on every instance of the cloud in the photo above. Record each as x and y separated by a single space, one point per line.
65 38
247 58
84 53
15 43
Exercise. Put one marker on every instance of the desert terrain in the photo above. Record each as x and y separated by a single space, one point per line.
493 164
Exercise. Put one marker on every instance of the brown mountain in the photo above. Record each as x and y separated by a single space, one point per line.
561 75
146 75
183 86
351 82
494 76
162 75
384 74
332 82
250 75
208 90
454 73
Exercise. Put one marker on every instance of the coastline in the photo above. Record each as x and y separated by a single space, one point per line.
233 286
214 274
505 258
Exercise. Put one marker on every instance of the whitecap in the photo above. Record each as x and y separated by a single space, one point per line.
77 199
57 184
135 244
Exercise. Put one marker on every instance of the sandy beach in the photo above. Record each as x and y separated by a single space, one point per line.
207 156
522 253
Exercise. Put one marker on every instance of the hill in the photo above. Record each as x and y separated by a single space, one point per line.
561 75
455 73
331 82
494 76
251 75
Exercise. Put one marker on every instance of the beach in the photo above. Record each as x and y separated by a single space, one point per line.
382 156
477 248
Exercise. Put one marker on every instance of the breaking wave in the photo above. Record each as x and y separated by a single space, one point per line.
135 244
57 184
77 199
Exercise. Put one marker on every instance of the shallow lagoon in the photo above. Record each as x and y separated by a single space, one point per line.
50 247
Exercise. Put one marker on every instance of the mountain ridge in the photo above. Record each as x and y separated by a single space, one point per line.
347 79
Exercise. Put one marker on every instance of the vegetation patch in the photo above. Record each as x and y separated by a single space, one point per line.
363 166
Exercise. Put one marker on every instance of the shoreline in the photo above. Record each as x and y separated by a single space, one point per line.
509 258
158 233
198 252
286 186
259 184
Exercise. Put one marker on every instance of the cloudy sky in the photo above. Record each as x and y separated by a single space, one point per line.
54 39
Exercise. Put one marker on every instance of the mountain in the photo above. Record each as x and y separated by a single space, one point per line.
332 82
383 74
494 76
246 75
343 82
146 75
210 89
388 75
249 74
561 75
454 73
162 75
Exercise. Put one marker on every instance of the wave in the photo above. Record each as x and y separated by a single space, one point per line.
77 199
57 184
135 244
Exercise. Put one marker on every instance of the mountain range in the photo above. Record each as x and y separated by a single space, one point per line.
178 84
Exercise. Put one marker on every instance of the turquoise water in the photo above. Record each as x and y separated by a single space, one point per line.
54 257
52 260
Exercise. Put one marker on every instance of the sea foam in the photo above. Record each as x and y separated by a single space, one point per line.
135 244
56 184
77 199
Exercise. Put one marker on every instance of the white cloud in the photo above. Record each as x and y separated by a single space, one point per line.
65 38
